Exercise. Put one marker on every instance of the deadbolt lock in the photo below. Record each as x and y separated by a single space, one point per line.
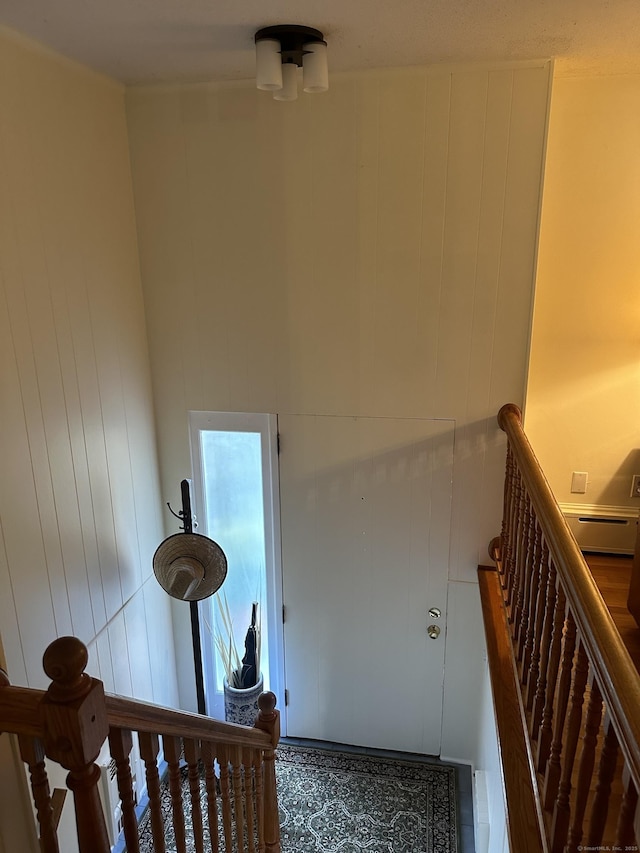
433 631
435 612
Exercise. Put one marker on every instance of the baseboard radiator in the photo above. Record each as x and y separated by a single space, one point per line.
109 743
566 693
602 529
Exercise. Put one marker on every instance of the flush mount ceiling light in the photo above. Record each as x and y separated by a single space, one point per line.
281 50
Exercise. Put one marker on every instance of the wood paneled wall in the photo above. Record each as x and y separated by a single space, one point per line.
369 251
79 496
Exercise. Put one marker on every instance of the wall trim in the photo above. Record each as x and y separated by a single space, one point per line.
482 821
598 510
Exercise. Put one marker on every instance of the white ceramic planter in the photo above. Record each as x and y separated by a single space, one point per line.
241 706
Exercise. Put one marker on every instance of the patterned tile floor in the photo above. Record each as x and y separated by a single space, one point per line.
463 780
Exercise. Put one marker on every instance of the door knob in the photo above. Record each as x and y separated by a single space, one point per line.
433 631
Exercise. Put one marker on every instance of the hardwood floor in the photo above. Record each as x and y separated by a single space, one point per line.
612 575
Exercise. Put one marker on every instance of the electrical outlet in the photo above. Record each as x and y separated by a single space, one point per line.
635 486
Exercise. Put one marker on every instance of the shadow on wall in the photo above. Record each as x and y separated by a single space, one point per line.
621 482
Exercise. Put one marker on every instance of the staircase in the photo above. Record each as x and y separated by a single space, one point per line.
566 699
70 722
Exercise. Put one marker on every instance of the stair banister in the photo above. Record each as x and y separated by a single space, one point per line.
71 720
600 635
566 692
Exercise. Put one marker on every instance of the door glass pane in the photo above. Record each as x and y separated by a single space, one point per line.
234 507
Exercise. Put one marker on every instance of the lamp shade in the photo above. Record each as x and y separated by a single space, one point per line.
315 71
289 91
268 65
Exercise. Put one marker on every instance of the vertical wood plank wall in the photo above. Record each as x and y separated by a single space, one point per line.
79 494
368 251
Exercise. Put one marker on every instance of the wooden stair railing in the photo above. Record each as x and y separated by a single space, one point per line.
566 692
69 723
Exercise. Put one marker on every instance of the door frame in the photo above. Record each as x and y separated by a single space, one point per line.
267 426
299 464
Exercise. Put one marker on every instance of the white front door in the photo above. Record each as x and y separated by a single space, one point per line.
365 518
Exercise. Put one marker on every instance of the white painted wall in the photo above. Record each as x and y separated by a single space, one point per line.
583 398
17 829
491 834
79 496
365 252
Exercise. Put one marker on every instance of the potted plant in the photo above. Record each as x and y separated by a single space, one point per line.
243 681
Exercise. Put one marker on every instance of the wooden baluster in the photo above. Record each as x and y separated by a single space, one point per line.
259 800
625 834
248 762
269 721
504 524
32 753
523 569
536 589
516 576
513 536
543 706
75 727
531 664
236 764
562 810
529 578
536 694
149 751
520 564
587 762
192 754
506 518
225 795
606 771
171 747
554 768
208 759
120 746
512 533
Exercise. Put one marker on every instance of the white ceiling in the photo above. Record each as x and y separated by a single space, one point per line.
148 41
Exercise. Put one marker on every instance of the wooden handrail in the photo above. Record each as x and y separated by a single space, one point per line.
124 713
617 675
20 714
556 656
20 710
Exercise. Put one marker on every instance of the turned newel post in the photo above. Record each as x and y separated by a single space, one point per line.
75 727
269 721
